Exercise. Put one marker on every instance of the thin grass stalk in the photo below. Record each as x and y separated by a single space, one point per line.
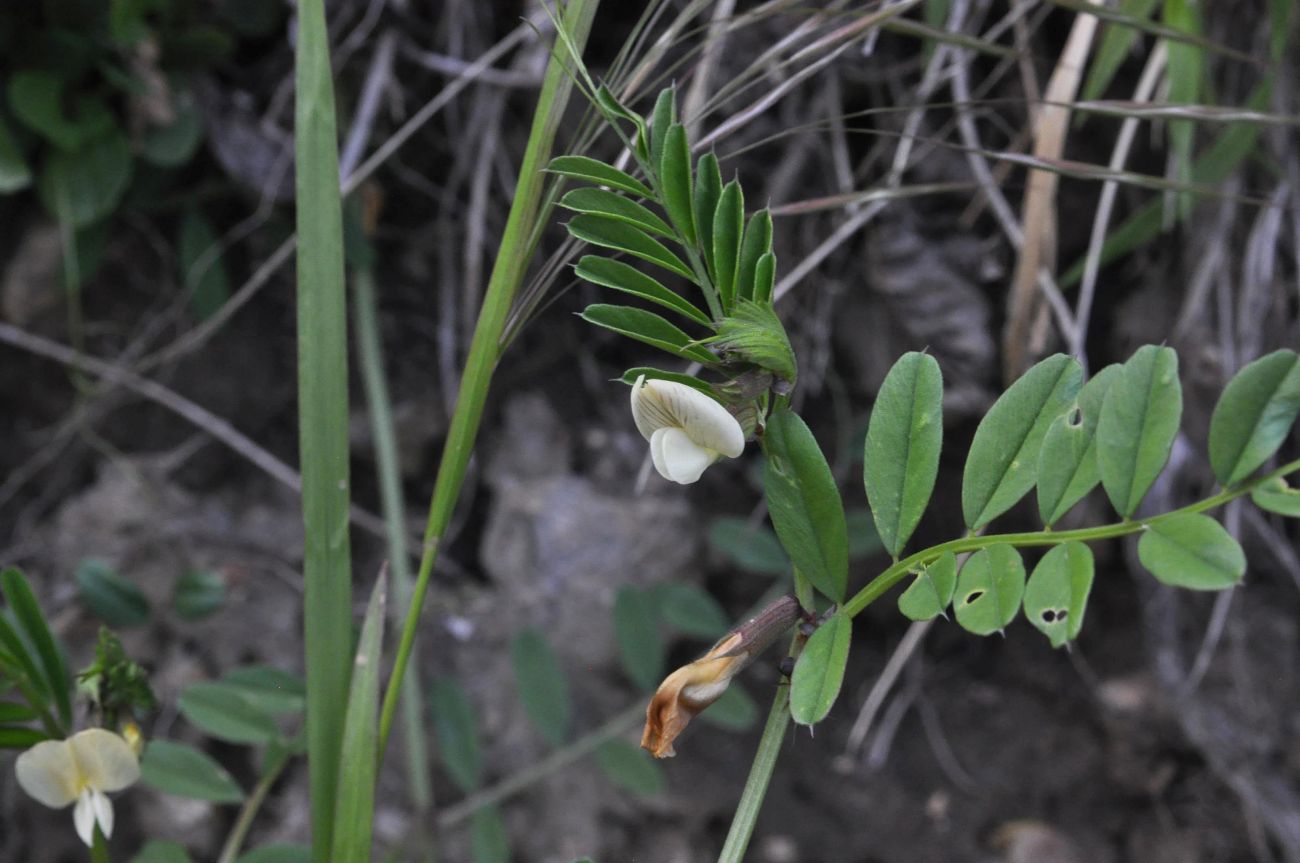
322 417
485 348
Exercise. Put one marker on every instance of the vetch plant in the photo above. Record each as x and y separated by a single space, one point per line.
687 430
83 770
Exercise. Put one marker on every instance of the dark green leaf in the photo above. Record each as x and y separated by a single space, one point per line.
751 547
27 612
630 767
12 713
819 671
901 456
1056 597
1254 415
640 644
691 610
734 711
542 687
609 103
931 591
199 593
618 235
183 771
163 851
15 174
1116 42
455 723
805 504
224 712
17 655
584 168
758 242
1003 461
675 176
631 375
489 840
765 278
1191 550
989 589
174 144
271 689
83 187
662 119
111 597
610 273
202 270
1067 464
283 853
1276 496
38 101
708 188
649 328
1139 421
20 738
728 223
605 203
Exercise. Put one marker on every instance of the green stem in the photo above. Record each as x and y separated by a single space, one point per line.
485 348
235 840
98 848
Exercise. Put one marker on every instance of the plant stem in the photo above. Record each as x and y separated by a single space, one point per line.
760 774
485 348
235 839
98 848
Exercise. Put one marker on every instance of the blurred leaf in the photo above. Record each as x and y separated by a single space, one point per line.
1138 424
284 853
592 171
990 587
83 187
15 174
162 851
1116 42
16 653
38 100
602 202
1056 597
675 179
805 504
649 328
1254 415
1276 496
931 591
27 612
708 189
111 597
1067 464
691 610
199 593
619 276
630 767
904 437
630 376
202 270
542 687
734 711
14 713
1003 461
20 738
614 234
728 224
174 144
489 841
1184 71
271 689
819 670
640 644
863 538
456 725
758 242
183 771
751 547
224 712
1191 550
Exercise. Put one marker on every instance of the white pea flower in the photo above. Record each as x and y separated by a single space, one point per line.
687 430
83 768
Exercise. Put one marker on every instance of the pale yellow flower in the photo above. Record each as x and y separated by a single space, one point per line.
82 769
687 430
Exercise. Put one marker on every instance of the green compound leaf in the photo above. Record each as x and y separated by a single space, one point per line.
901 456
734 711
271 689
83 187
753 333
27 614
1067 463
631 767
758 242
765 278
619 276
489 839
728 224
542 686
593 171
183 771
708 189
456 724
819 671
675 178
640 643
225 712
805 504
199 593
1139 421
162 851
989 589
615 234
932 590
1003 461
605 203
1056 597
1192 551
649 328
661 120
630 377
753 548
111 597
1254 415
690 609
1276 496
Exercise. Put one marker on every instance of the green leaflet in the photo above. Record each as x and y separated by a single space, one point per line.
708 189
1276 496
1254 415
489 840
1057 594
675 178
608 233
728 223
754 548
1191 550
631 767
1138 424
765 278
619 276
602 202
224 711
542 686
456 725
661 120
640 643
183 771
112 597
753 333
819 671
1067 464
989 589
757 242
932 589
649 328
82 187
593 171
690 609
27 613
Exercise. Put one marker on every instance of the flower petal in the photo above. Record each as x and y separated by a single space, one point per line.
648 409
677 457
105 759
83 817
103 811
48 772
660 404
686 692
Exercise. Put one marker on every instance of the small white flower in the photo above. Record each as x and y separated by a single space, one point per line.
687 430
83 768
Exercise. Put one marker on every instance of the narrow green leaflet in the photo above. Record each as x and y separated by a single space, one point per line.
1276 496
1191 550
931 590
111 597
765 278
728 225
753 548
1057 594
640 643
620 276
630 376
542 686
15 653
489 841
675 176
1138 424
901 456
631 767
183 771
734 711
615 234
27 612
223 711
661 120
708 189
593 171
649 328
1067 463
605 203
456 724
20 738
819 671
690 609
989 589
609 103
758 242
199 593
1254 415
10 712
1116 42
805 504
1003 461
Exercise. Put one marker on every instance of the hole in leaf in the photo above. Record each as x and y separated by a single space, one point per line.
1062 614
1074 418
1049 616
973 595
